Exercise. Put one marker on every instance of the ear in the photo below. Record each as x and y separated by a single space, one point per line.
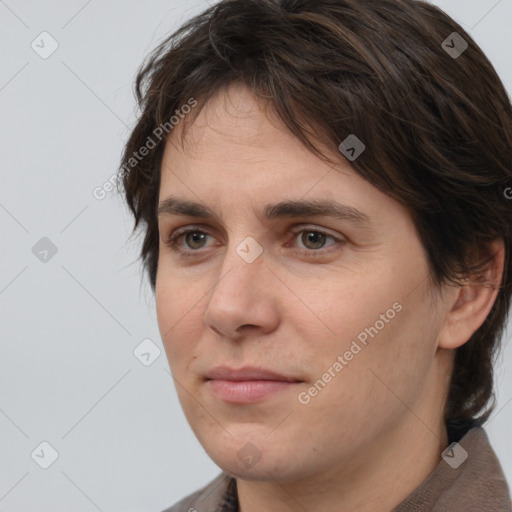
471 302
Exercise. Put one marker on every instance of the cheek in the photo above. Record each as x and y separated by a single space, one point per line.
370 390
345 308
176 297
385 335
179 317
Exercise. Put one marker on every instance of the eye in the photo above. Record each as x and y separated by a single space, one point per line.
314 241
194 239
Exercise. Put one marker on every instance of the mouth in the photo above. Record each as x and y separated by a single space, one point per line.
248 384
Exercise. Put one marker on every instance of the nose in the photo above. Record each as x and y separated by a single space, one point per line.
245 296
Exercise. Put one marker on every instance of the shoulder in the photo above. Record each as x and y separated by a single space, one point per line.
469 478
478 481
207 499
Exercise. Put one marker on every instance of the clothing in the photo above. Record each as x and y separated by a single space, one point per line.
476 485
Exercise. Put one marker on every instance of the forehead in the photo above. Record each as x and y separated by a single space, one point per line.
237 121
237 153
238 135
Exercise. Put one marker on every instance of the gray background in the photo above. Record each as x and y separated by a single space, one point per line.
69 326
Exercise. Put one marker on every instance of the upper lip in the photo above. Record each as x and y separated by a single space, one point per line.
246 373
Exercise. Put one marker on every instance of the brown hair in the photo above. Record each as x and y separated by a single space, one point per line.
437 127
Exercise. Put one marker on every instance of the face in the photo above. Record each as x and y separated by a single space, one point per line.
289 332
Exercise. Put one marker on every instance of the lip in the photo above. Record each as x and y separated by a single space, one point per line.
246 373
248 384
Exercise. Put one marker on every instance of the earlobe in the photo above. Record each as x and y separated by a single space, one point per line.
473 301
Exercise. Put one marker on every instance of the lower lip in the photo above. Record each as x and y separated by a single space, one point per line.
247 391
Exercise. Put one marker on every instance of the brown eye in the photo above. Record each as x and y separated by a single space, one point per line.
195 239
187 242
311 243
313 239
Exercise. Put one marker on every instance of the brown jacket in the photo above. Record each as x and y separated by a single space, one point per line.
476 485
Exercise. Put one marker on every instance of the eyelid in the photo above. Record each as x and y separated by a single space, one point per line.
311 227
295 229
188 228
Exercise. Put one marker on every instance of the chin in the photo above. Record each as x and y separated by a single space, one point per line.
262 471
255 461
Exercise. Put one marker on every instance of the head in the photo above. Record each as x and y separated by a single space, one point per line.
254 111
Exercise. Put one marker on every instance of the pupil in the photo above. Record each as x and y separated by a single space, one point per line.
195 237
315 238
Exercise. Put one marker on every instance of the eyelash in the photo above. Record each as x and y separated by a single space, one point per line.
173 239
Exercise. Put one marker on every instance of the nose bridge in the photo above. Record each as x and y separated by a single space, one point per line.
240 295
242 269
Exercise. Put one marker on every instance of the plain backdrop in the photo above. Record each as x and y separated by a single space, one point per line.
73 312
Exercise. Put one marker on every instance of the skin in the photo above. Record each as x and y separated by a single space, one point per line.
376 430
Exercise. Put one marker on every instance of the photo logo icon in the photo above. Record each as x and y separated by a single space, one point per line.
454 45
351 148
146 352
455 455
44 250
44 455
44 45
249 455
249 249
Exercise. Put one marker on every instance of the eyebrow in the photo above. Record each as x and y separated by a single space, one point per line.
303 208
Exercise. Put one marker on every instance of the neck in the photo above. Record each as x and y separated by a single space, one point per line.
377 480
